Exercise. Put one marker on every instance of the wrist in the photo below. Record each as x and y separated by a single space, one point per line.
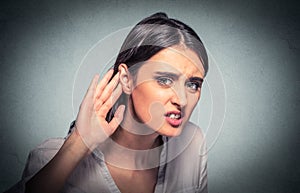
86 138
75 145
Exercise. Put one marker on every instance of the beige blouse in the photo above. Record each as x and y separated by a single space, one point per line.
182 166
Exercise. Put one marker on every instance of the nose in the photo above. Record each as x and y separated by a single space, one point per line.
179 97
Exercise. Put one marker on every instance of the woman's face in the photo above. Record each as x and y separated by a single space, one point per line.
166 90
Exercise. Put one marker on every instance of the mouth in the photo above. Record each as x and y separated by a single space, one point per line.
174 118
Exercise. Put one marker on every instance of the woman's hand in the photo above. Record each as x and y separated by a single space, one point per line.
90 122
92 128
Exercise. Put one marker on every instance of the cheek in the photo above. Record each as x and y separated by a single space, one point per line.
195 97
192 102
148 102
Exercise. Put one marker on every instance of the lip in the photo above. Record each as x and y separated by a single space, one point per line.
174 122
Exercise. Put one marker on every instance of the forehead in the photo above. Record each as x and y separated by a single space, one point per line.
177 58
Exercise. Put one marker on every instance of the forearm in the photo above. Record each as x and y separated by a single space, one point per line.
53 176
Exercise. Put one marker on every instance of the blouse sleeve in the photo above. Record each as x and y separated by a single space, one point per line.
36 160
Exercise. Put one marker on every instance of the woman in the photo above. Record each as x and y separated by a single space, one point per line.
132 132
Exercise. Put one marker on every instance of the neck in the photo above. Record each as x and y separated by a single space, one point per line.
130 151
133 134
133 145
135 141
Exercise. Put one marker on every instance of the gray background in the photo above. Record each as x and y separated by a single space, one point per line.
256 44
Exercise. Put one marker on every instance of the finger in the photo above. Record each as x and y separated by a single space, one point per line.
111 100
118 117
91 90
102 84
104 108
109 89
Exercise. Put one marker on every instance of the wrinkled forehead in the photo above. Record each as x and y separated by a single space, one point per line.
177 59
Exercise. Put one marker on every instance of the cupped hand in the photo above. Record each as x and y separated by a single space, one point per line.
91 124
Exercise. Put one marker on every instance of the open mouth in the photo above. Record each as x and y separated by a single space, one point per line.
174 118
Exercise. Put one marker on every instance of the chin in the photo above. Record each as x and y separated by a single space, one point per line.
170 131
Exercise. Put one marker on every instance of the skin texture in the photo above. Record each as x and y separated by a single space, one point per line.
150 99
148 102
139 128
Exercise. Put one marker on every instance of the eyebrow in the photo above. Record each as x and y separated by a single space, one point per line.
198 79
169 74
175 76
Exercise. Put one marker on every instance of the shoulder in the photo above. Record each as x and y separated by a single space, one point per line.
186 172
192 127
189 143
192 134
198 140
51 143
48 148
41 155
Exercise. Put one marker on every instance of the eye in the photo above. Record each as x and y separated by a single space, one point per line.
164 81
193 86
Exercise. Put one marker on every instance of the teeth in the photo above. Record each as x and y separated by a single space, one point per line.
174 116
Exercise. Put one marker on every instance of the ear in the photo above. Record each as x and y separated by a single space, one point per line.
125 78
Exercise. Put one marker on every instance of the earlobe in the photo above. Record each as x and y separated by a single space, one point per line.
125 79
